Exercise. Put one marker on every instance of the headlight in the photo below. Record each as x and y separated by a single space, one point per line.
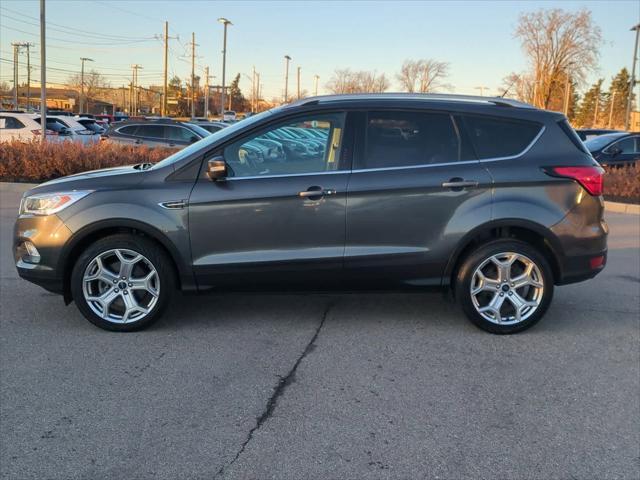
50 203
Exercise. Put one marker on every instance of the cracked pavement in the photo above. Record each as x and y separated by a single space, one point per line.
323 386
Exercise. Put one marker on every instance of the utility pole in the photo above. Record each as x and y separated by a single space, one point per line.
257 91
28 45
595 110
16 50
226 23
315 85
632 80
613 99
163 107
82 59
287 59
193 74
567 92
134 88
43 75
482 89
253 90
298 83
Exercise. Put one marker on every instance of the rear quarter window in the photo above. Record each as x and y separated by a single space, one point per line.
494 137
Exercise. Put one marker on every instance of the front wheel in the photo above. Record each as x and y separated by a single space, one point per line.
122 282
505 286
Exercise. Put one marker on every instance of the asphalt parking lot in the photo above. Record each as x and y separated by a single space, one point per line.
323 386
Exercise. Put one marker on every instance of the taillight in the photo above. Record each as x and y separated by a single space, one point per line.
589 177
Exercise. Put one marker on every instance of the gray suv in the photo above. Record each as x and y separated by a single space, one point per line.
489 197
155 133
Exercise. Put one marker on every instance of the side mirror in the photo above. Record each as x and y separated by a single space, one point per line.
216 168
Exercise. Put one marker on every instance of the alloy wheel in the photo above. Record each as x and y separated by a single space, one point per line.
507 288
121 285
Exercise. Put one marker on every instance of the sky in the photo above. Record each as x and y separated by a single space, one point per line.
475 37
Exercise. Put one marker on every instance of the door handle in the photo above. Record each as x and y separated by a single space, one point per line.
459 183
316 192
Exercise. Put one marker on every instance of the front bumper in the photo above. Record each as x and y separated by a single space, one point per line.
48 234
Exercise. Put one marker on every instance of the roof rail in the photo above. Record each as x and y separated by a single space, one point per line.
443 97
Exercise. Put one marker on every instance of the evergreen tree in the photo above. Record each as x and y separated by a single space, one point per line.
592 101
618 94
236 99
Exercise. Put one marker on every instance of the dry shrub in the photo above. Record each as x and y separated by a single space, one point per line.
623 183
36 161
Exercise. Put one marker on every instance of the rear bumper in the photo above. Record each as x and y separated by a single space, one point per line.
581 268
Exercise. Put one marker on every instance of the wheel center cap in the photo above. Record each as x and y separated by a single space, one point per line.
122 285
505 288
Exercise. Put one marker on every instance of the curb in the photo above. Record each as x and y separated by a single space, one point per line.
617 207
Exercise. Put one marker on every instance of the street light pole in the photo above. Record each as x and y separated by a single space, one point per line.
226 23
82 59
43 75
287 59
632 81
315 85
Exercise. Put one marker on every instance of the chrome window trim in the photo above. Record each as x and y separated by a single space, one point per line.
463 162
253 177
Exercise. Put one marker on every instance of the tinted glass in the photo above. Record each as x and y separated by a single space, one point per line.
401 139
10 123
596 143
180 134
271 153
499 137
128 130
627 146
150 131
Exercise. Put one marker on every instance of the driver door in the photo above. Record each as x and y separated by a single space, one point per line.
277 220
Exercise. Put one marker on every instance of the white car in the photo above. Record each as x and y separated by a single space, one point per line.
21 127
229 116
78 132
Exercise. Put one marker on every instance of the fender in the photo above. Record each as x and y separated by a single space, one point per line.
548 235
185 271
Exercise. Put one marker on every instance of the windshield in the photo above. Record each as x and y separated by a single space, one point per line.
597 143
206 142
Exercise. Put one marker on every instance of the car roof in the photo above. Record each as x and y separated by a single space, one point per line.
411 97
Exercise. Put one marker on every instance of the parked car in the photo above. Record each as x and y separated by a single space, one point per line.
105 117
22 127
589 133
490 197
155 133
120 117
615 149
212 127
91 124
229 116
78 132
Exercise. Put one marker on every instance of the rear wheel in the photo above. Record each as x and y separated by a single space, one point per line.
122 282
505 286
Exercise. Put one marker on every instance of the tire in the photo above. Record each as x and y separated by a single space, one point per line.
520 305
132 303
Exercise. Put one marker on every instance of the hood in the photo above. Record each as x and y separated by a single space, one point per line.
93 179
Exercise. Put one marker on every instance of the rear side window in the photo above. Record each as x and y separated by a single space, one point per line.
128 130
499 137
405 139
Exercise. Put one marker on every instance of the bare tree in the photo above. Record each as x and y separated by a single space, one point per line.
559 45
423 76
346 81
94 82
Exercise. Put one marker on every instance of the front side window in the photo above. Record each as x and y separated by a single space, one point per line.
499 137
150 131
180 134
276 151
128 130
628 146
405 139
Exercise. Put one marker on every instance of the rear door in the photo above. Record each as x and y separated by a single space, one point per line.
415 189
277 221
